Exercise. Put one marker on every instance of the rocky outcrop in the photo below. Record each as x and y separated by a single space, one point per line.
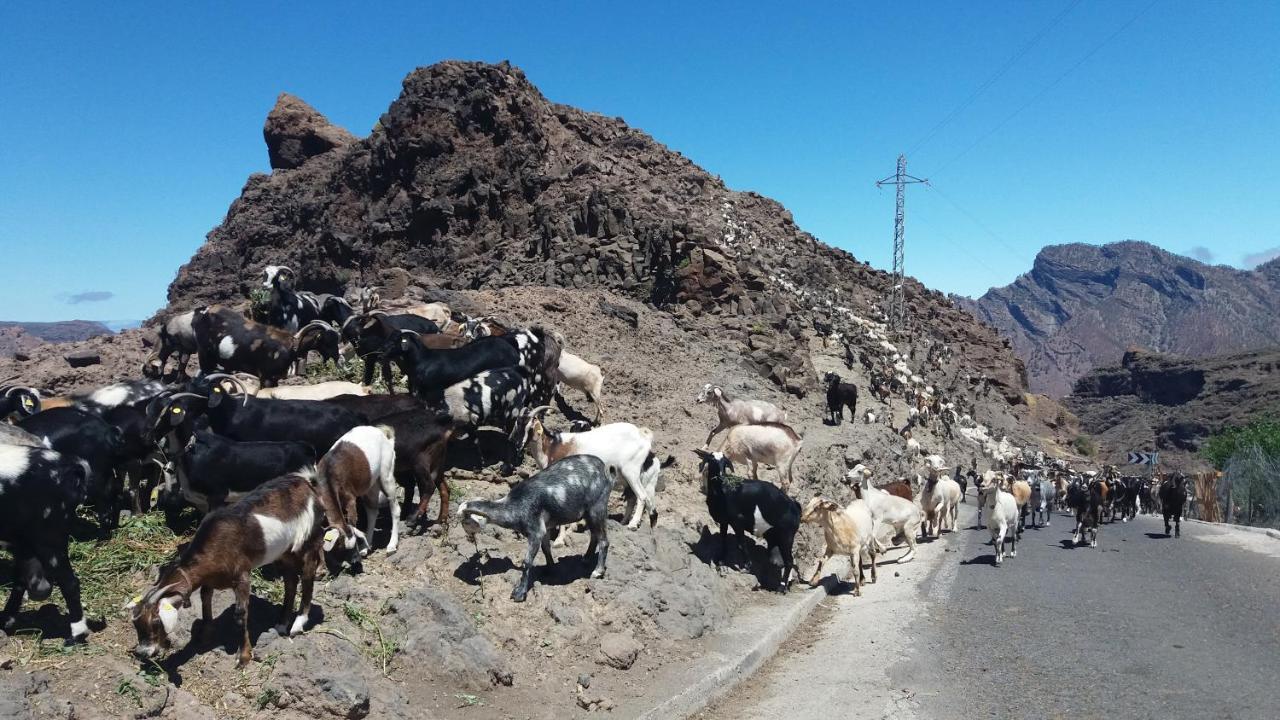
1170 403
473 180
59 332
295 132
1081 306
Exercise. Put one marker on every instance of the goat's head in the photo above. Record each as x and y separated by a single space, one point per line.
708 392
713 465
472 520
831 378
536 439
278 276
369 299
155 613
22 400
818 509
320 336
222 386
167 413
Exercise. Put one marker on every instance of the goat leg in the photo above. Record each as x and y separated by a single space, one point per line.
58 564
290 571
242 617
309 564
817 571
521 590
206 613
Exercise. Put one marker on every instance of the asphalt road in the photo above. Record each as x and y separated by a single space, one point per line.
1143 626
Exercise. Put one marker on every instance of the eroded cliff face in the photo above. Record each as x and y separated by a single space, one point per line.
1081 306
1174 403
473 180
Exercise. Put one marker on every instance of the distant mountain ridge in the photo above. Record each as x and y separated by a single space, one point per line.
62 330
1082 306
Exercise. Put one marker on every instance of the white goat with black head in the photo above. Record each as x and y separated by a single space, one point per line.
288 308
740 411
575 488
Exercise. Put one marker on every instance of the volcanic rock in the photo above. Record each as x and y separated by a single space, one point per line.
295 132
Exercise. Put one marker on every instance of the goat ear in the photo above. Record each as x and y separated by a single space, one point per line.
702 454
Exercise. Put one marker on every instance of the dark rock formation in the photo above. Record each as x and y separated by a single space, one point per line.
473 180
295 132
1081 306
1169 403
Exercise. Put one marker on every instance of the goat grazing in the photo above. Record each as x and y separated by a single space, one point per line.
737 412
750 506
360 465
841 395
769 443
847 531
281 522
229 341
575 488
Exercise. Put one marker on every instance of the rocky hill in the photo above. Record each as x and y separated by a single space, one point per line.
1172 404
1082 306
477 191
57 332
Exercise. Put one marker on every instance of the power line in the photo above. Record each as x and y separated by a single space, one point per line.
1008 65
983 226
897 300
1050 86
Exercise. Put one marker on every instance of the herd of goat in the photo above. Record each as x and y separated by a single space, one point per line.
296 475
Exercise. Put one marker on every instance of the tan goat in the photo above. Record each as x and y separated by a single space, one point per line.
769 443
847 531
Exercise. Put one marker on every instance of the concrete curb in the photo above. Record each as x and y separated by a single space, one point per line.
1245 528
720 680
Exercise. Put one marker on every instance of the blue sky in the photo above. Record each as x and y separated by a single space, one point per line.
129 128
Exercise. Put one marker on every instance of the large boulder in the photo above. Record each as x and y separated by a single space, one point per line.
296 132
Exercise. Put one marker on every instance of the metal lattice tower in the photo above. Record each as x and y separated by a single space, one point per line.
895 308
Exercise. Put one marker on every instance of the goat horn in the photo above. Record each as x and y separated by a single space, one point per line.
235 381
540 409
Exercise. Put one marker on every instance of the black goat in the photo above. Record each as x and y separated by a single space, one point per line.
229 341
750 506
421 440
1085 500
18 400
288 309
431 371
212 470
1173 498
841 395
41 490
375 407
575 488
86 435
314 422
370 334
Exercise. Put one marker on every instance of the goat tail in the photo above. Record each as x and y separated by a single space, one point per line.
613 472
389 431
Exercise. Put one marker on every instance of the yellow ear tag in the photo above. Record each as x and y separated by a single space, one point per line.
166 605
136 599
176 411
330 538
155 496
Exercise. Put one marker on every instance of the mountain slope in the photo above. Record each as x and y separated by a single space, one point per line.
473 180
1157 401
1082 306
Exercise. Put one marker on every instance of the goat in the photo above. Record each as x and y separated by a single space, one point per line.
281 522
18 400
1021 491
1086 501
14 435
621 445
892 511
841 395
939 498
430 372
1002 516
582 376
212 470
317 423
737 412
847 531
314 391
375 407
575 488
1041 503
1173 497
229 341
421 441
41 489
288 309
769 443
750 506
177 336
86 435
372 333
360 465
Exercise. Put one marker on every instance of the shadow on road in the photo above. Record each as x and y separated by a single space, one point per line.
1157 536
981 560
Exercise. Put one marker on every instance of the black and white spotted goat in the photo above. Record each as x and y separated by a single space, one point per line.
227 340
575 488
39 491
287 308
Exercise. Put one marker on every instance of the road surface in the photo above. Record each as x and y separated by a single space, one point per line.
1141 627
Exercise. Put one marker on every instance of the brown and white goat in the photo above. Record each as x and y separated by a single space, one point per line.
281 522
361 464
847 531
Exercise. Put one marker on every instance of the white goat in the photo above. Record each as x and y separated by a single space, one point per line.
890 512
317 391
769 443
621 445
737 412
1002 517
582 376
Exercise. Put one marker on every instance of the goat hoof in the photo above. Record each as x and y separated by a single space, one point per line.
517 597
282 630
597 574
